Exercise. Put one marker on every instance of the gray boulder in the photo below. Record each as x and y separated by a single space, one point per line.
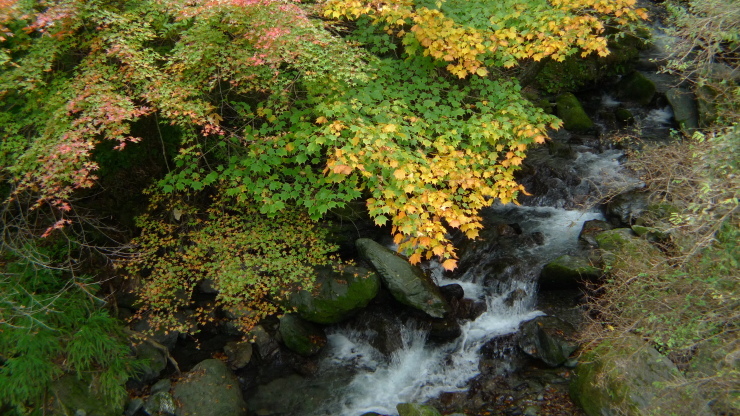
549 339
625 376
239 353
337 296
625 208
406 282
160 404
209 389
684 108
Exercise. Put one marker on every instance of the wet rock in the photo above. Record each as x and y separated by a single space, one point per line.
625 376
383 329
515 296
547 338
570 110
637 88
452 291
301 336
413 409
684 108
624 208
590 229
133 407
160 404
561 150
468 308
239 353
407 283
337 296
446 329
73 396
209 389
567 272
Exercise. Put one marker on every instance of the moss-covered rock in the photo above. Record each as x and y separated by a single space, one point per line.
590 229
636 87
567 272
413 409
570 110
301 336
337 296
406 282
72 396
625 376
624 115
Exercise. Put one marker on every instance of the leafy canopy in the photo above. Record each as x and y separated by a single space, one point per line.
278 112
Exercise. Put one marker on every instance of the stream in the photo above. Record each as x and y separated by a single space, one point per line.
501 269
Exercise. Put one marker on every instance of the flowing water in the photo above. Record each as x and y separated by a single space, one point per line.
502 269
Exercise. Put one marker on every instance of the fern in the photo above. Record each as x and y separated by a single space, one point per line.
49 328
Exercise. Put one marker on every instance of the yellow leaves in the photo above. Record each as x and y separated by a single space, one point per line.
449 264
399 174
322 120
415 258
482 72
389 128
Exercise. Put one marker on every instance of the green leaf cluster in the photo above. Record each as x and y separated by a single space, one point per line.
51 325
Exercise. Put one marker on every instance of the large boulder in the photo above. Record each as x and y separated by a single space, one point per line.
570 110
338 295
590 229
636 87
301 336
684 108
413 409
209 389
624 209
625 376
567 272
549 339
406 282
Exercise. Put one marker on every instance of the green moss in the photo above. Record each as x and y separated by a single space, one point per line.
635 87
574 118
301 336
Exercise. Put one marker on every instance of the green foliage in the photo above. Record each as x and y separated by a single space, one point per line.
253 261
51 325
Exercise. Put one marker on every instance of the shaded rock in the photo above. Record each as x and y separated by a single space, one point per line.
590 229
548 339
209 389
266 345
133 407
624 115
239 353
301 336
452 291
166 338
624 208
383 329
635 87
162 385
73 396
407 283
153 360
160 403
337 295
468 308
684 108
567 272
445 329
413 409
625 376
570 110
